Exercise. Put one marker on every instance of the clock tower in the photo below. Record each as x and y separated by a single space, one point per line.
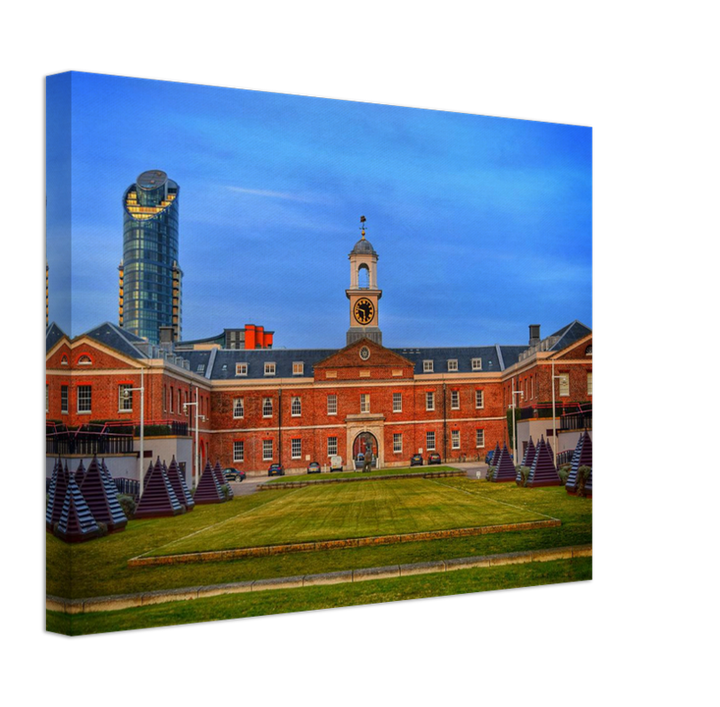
363 292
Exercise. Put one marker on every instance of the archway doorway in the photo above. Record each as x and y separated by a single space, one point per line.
365 443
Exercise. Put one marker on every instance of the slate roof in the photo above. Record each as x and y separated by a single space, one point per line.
494 358
219 364
53 334
222 365
119 339
569 335
108 334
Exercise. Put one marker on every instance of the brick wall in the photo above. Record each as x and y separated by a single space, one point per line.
315 425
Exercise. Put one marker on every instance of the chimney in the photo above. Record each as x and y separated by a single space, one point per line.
167 337
534 334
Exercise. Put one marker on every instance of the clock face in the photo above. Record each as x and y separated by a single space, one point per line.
364 311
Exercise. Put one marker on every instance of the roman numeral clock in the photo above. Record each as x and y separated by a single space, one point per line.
363 292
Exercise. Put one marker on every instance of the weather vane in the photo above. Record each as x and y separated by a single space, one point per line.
362 226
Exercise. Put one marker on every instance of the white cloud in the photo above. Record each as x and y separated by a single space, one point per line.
272 194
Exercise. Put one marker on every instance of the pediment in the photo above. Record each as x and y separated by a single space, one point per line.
364 359
86 354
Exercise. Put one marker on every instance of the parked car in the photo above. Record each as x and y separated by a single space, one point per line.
313 468
276 470
416 460
336 463
433 458
234 474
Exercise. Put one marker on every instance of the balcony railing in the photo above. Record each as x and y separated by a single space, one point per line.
86 442
571 416
111 437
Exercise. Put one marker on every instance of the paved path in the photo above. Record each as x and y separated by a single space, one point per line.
128 601
475 470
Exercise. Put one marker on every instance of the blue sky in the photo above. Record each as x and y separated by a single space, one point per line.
483 225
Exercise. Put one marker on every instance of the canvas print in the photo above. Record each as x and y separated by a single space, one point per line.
305 353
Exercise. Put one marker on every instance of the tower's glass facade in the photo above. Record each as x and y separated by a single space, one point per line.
150 273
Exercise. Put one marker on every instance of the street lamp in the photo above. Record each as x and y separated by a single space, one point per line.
554 378
126 394
521 394
198 416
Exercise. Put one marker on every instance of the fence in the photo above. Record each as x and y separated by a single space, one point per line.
105 437
65 443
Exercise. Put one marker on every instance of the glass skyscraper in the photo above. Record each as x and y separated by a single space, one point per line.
150 277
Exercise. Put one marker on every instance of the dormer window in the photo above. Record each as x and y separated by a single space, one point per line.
477 364
241 369
427 366
270 369
298 368
452 364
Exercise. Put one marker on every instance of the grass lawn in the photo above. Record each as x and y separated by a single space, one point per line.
100 567
354 511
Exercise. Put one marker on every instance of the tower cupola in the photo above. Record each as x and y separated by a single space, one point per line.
363 292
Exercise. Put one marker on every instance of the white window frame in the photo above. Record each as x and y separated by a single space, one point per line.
397 443
429 401
270 368
454 399
241 369
267 450
452 365
332 446
296 448
238 408
267 407
479 399
428 366
125 404
295 406
64 404
589 383
82 410
455 439
364 402
476 364
298 368
428 443
397 402
238 452
479 439
563 385
332 404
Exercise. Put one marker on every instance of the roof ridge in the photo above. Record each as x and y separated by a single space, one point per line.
210 364
500 357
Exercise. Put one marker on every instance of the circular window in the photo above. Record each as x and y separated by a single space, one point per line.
364 353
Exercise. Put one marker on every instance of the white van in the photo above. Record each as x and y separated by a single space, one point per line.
336 463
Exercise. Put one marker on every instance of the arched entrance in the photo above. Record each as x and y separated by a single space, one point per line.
365 443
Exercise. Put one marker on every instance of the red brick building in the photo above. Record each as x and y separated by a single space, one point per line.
259 406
